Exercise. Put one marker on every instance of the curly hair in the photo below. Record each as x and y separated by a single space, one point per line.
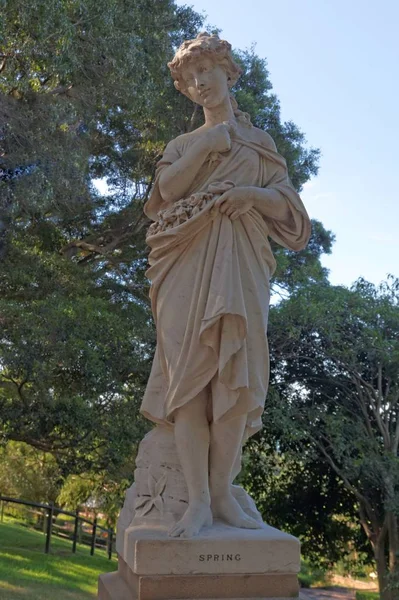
204 44
219 51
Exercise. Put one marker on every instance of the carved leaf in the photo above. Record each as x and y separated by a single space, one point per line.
140 501
152 482
158 503
147 508
161 485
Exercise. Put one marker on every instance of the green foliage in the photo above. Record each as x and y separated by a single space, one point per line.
298 493
104 490
81 96
28 473
335 355
297 269
356 565
72 357
254 95
86 95
311 576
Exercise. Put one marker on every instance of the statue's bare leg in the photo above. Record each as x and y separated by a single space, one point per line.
192 443
226 439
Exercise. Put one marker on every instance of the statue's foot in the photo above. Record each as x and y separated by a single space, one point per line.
197 516
226 508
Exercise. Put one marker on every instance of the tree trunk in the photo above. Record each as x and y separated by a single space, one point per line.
393 549
381 564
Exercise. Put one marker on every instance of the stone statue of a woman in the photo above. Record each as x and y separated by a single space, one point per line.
220 191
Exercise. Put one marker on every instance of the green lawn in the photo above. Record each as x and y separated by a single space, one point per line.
26 573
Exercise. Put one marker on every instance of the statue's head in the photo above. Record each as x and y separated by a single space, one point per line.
204 69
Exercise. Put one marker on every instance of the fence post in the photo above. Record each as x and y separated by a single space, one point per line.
93 536
110 532
75 531
49 527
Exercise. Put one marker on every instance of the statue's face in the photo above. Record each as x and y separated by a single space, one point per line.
205 82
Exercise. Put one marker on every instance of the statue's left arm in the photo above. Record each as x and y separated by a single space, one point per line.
278 202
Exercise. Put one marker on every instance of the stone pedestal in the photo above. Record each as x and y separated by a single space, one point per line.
221 562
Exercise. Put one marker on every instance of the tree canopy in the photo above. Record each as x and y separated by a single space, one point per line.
336 373
86 96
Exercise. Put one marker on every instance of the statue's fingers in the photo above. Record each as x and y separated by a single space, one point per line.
224 207
231 126
235 215
221 199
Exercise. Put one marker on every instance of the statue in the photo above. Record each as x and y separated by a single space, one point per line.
219 192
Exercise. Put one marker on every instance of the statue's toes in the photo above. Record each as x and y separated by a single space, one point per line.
249 523
176 531
183 531
254 515
189 532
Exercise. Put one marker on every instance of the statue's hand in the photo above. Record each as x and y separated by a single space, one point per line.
218 138
235 202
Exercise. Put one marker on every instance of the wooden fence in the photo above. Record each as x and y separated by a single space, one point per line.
51 512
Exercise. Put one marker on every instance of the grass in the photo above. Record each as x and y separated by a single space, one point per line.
364 595
26 573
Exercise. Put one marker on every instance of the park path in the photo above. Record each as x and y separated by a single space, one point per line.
332 593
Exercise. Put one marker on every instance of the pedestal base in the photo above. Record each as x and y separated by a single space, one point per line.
125 585
221 562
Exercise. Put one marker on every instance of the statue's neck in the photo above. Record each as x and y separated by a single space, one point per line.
218 114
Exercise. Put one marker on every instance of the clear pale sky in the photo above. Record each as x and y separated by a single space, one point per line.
334 64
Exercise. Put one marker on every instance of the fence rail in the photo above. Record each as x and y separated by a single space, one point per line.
53 511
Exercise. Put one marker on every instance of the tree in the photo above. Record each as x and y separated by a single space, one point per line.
336 354
80 99
28 473
298 492
254 94
86 96
103 490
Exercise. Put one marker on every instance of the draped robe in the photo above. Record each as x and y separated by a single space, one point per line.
210 287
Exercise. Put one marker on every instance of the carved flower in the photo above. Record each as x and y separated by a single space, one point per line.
156 489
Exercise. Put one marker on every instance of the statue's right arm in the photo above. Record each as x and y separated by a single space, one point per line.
177 178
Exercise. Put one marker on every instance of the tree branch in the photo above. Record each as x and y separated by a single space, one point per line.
359 496
362 405
372 535
376 408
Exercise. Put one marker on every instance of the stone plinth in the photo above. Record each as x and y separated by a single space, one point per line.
221 562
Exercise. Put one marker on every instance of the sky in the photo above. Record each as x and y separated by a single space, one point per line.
334 65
